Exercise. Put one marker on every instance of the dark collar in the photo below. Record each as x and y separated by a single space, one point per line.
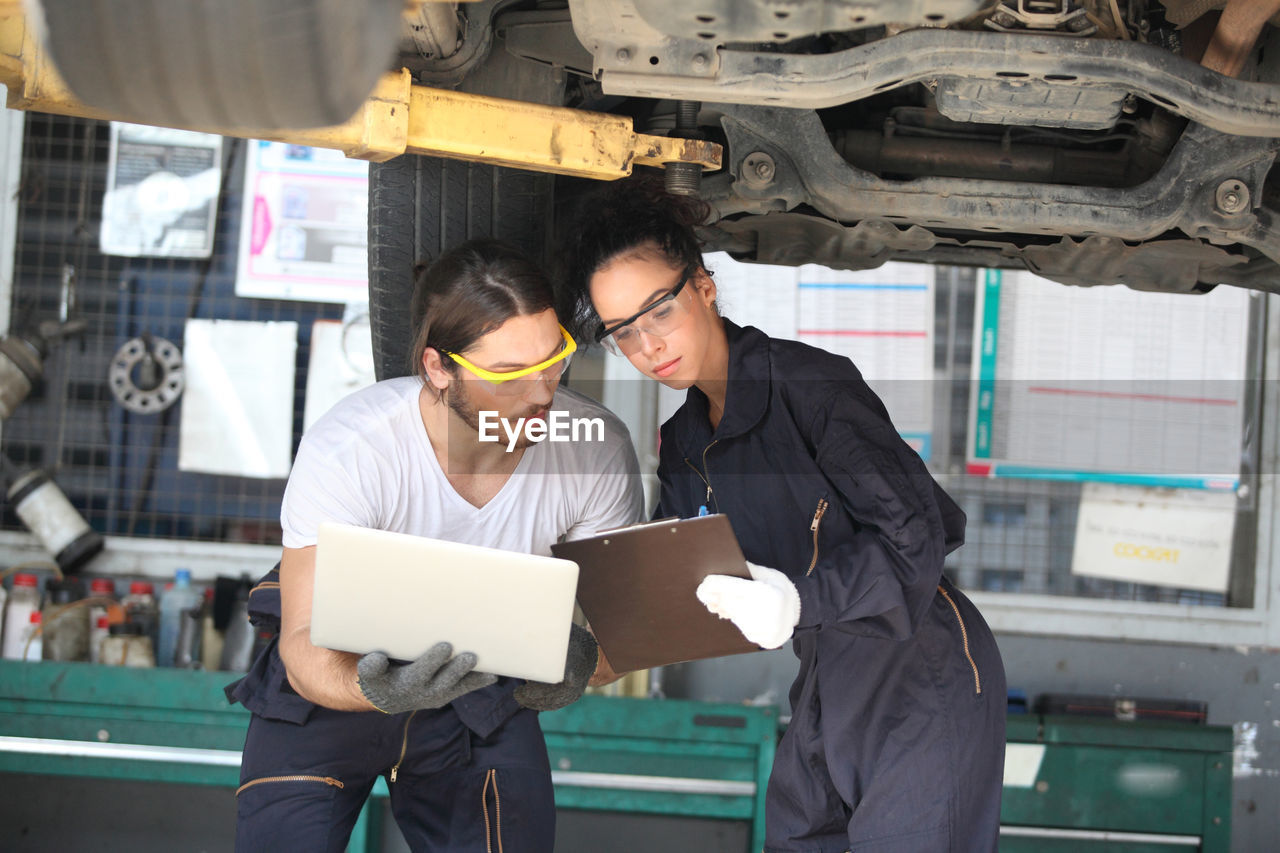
747 396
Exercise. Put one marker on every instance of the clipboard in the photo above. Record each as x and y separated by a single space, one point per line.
637 586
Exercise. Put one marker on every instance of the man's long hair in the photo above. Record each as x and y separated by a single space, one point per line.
468 292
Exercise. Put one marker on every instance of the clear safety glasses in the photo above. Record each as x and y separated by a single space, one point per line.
516 383
659 319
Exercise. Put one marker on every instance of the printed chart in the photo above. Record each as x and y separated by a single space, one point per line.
881 319
1107 384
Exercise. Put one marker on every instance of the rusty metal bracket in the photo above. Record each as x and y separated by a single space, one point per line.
403 118
1237 32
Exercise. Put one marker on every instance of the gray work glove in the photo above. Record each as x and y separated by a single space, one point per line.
431 681
579 665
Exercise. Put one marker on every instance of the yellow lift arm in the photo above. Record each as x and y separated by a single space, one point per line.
403 118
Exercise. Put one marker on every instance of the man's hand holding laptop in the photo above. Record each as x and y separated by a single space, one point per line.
431 681
580 665
435 679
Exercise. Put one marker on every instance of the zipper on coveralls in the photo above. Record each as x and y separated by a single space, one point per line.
328 780
964 636
497 811
404 747
813 526
705 479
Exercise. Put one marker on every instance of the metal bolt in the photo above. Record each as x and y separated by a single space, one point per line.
1079 23
687 115
700 62
758 170
1217 821
1042 786
1232 196
682 178
623 55
104 735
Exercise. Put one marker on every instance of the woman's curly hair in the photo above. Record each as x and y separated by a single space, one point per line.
632 215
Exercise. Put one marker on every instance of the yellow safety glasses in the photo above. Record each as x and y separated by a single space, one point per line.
553 368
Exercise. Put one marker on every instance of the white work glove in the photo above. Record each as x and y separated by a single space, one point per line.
765 609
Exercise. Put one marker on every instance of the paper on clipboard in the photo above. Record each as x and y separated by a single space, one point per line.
637 586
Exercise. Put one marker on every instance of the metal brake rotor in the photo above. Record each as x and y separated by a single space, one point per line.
146 375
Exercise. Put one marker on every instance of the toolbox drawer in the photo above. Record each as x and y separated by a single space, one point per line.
1091 784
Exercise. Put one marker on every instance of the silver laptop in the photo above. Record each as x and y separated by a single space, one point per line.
402 594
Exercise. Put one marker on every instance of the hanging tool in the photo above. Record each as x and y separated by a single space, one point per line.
146 374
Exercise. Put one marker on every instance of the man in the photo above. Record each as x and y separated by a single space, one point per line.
462 752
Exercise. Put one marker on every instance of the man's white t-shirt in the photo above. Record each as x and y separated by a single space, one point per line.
368 462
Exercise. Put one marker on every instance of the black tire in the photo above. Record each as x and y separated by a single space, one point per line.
226 64
421 206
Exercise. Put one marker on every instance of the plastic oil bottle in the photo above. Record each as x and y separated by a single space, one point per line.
24 599
140 609
32 638
211 639
65 620
237 651
175 599
99 620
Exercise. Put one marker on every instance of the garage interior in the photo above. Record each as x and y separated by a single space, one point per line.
1143 715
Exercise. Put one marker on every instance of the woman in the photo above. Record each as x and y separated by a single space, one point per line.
896 740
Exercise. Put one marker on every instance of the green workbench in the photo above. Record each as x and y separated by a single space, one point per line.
1071 784
165 725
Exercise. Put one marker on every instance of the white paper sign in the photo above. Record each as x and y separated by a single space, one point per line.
1022 764
1165 537
162 192
237 410
304 230
341 363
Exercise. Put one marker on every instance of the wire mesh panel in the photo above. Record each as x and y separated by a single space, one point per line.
117 466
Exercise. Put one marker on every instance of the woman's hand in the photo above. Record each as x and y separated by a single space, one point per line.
765 609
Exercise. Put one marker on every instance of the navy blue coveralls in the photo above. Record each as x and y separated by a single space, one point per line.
896 740
471 776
